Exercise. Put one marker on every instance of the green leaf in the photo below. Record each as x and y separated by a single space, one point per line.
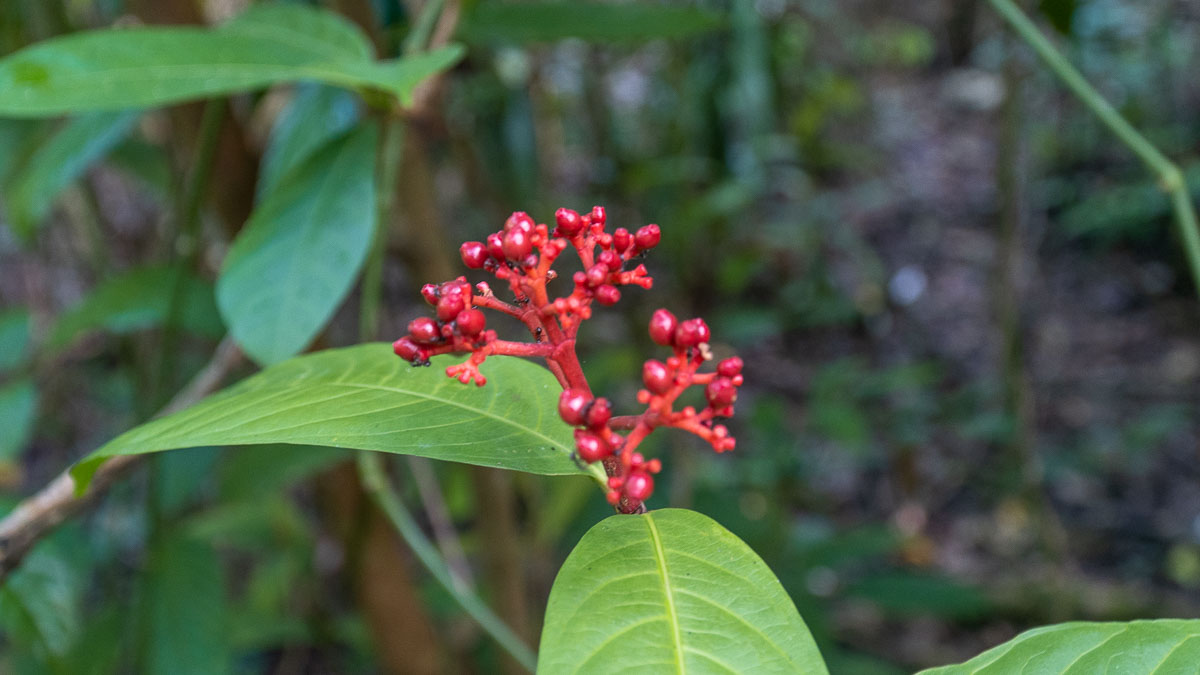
1081 648
671 591
299 255
18 407
137 300
600 22
366 398
67 154
41 600
150 66
19 139
285 25
185 610
316 114
14 338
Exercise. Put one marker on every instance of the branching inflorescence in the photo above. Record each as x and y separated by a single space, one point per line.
522 255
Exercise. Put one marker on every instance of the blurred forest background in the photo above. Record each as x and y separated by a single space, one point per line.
972 345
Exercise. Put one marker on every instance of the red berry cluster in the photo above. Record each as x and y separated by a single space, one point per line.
522 254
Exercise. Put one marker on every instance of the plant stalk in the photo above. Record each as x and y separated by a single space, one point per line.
371 469
1169 175
391 139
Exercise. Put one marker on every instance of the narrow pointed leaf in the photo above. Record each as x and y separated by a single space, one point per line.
149 66
71 151
671 591
297 258
366 398
1162 647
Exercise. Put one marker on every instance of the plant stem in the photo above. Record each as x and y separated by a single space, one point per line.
1169 175
422 31
391 140
186 244
371 469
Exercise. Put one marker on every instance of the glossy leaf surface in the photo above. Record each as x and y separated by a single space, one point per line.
366 398
150 66
1161 647
299 254
671 591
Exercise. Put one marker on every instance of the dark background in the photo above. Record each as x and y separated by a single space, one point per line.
972 345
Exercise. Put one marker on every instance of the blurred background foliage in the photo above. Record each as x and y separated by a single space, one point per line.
970 403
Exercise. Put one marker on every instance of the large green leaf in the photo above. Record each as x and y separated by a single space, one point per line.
316 114
671 591
1162 647
296 259
78 145
366 398
139 67
140 299
602 22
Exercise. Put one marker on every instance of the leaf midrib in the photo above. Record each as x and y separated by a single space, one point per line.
660 557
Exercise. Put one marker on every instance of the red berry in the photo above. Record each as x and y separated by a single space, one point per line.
431 293
495 246
569 222
608 295
598 216
470 322
647 236
572 406
691 333
639 486
450 305
720 392
662 327
599 414
517 244
406 349
621 239
609 259
424 330
597 274
474 254
656 377
519 220
729 367
590 447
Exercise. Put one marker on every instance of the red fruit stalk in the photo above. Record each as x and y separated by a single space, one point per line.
521 255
